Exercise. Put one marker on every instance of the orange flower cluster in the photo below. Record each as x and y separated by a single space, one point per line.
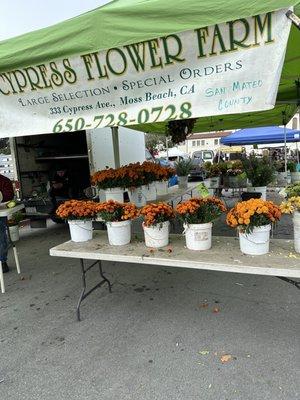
77 209
253 212
156 213
131 175
200 210
191 206
113 211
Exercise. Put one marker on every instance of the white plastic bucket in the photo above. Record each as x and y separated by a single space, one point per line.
161 188
116 194
257 242
295 177
137 196
150 192
157 236
119 233
198 236
183 182
283 178
212 183
259 189
14 233
81 230
296 221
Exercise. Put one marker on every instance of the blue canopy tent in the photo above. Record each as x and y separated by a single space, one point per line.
262 135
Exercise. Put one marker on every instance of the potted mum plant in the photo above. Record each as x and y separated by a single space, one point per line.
13 226
156 224
260 172
213 173
79 214
295 175
112 182
118 217
183 168
253 219
197 215
291 190
236 174
292 206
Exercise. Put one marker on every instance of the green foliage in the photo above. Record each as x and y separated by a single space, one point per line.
155 142
212 170
179 129
291 166
257 220
260 171
293 190
15 219
206 213
183 167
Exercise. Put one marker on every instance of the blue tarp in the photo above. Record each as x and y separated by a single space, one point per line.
263 135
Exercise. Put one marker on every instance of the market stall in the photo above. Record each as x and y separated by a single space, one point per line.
194 69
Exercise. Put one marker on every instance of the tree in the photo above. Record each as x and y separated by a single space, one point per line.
156 143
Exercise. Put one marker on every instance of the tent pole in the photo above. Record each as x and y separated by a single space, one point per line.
167 148
116 146
285 153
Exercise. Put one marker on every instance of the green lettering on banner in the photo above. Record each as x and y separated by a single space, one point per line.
56 76
217 35
234 42
260 26
170 58
109 64
134 53
202 33
69 74
152 46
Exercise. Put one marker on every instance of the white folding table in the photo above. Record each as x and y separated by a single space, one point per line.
281 262
8 212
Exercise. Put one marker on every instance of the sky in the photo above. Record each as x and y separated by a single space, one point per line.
21 16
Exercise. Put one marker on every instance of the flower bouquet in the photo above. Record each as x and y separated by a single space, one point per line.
213 173
156 223
197 215
236 174
253 219
79 214
260 172
118 217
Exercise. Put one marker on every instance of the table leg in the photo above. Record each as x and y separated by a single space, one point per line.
1 279
16 258
85 294
291 281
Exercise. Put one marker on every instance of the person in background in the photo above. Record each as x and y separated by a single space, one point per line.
6 194
59 186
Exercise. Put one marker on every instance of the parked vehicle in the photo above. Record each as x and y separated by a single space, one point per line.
198 159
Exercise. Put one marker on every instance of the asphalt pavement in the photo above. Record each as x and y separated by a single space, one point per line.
162 333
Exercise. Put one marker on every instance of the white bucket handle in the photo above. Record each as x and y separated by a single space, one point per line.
151 237
252 241
80 226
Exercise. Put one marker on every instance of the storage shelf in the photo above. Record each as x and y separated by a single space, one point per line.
70 157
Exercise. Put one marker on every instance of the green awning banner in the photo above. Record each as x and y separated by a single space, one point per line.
149 68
